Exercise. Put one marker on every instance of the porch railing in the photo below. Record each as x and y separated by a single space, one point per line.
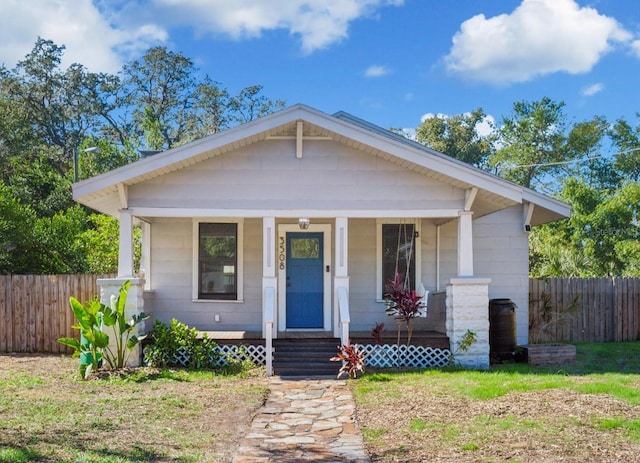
345 317
269 308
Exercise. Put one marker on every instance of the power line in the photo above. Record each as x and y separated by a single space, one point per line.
559 163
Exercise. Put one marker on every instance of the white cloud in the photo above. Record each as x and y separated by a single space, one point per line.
592 89
376 71
318 23
432 115
90 38
635 46
539 37
102 34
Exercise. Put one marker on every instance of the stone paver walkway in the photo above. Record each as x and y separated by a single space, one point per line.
304 420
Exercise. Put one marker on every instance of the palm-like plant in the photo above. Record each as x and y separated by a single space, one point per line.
402 303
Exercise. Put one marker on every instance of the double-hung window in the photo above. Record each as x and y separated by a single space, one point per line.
398 251
219 261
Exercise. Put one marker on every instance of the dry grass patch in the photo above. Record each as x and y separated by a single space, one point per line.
48 415
512 413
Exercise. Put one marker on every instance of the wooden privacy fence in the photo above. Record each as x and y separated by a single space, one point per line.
35 311
584 309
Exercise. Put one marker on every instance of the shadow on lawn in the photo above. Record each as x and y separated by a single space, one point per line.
82 450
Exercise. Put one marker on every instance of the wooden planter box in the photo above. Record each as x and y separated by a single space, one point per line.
548 354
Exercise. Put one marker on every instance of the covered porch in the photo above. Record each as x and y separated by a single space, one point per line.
343 317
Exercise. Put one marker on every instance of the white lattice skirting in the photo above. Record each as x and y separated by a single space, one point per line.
257 354
392 355
379 356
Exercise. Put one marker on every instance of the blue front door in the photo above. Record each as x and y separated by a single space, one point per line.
304 280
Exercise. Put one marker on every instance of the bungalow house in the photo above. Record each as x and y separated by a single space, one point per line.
292 224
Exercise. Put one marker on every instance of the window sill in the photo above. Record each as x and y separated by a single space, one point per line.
218 301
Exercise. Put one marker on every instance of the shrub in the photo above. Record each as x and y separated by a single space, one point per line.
170 343
352 358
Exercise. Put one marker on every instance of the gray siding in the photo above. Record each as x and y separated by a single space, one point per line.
330 176
501 250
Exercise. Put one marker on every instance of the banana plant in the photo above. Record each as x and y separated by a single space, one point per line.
124 329
92 340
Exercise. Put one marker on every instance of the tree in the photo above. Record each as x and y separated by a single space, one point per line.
172 106
61 107
16 234
600 239
100 244
458 137
627 140
532 139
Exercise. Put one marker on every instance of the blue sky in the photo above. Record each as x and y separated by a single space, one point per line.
390 62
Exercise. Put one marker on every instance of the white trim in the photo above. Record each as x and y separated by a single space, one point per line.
125 253
299 135
528 214
293 213
123 193
417 223
469 197
145 264
465 244
195 258
283 229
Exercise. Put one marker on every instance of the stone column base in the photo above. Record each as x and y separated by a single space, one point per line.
468 310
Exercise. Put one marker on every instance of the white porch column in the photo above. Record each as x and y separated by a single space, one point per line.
125 254
135 305
468 310
342 316
269 266
145 258
269 288
465 244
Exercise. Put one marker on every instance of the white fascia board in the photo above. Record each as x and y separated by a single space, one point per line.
290 213
189 150
419 156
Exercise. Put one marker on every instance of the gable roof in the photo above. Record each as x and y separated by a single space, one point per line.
107 192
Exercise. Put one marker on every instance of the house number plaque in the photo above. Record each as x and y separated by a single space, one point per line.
282 253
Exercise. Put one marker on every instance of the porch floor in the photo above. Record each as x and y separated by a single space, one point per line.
419 338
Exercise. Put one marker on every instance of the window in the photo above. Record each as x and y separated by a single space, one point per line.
218 261
398 250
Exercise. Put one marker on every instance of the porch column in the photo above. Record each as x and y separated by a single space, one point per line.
125 254
269 287
342 316
467 307
465 244
134 306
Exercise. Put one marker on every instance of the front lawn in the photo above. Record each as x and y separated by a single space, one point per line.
48 415
585 411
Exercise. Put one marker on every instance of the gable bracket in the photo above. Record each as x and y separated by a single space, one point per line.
123 195
299 136
528 213
469 197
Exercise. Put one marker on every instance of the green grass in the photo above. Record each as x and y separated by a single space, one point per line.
570 408
146 415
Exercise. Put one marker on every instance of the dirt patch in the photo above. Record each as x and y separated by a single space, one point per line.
541 426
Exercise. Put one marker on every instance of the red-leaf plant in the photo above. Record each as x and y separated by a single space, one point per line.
352 359
402 303
376 333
